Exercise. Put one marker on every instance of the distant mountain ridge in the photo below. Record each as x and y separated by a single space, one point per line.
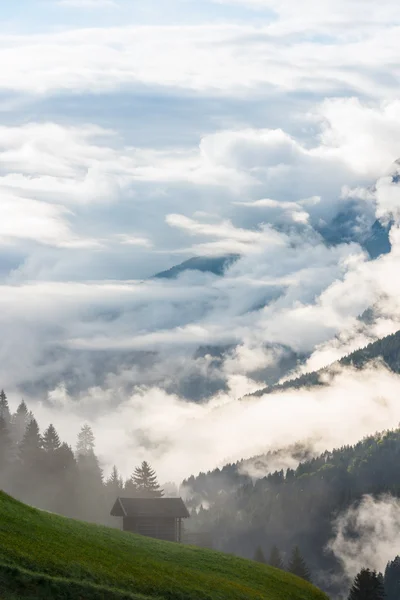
216 265
387 349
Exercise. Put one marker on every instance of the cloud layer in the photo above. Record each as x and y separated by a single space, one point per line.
127 149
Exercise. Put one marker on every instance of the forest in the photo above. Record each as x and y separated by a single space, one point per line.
41 470
251 517
296 507
385 350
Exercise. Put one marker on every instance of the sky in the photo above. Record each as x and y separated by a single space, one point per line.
134 136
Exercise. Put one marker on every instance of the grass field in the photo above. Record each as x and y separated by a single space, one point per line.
44 556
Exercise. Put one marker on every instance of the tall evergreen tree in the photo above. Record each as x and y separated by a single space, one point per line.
86 443
65 497
275 558
368 585
29 473
114 483
30 448
20 421
92 501
392 579
145 481
5 449
297 565
259 555
51 440
4 408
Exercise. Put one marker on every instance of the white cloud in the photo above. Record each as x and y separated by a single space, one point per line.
367 535
181 438
228 59
115 211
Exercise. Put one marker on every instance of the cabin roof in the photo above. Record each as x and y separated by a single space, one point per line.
150 507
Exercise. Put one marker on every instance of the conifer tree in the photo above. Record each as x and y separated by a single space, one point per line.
65 499
5 447
259 555
4 408
145 481
90 484
114 483
297 565
85 444
392 579
30 468
275 559
30 448
51 440
368 585
20 421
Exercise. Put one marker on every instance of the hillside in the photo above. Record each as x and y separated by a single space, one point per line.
44 556
386 349
205 264
295 506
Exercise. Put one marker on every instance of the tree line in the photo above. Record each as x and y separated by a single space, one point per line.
372 585
367 585
386 349
296 565
295 507
42 470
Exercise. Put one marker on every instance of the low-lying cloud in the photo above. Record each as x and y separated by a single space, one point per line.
293 184
367 535
181 438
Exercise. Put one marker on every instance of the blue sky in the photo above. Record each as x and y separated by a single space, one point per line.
42 15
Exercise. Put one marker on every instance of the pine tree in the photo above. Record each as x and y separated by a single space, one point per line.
92 501
51 440
86 443
5 447
297 565
114 483
28 482
368 585
392 579
4 408
65 499
275 559
20 421
30 448
145 481
259 555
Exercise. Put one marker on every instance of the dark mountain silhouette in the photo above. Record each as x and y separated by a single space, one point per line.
387 350
205 264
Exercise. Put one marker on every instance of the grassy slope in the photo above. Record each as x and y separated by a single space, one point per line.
44 556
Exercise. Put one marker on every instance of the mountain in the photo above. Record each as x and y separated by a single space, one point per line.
298 506
47 557
205 264
378 241
386 349
344 228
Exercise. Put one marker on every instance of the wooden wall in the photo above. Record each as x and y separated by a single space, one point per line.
156 527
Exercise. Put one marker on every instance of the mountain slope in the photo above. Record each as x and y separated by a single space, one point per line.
44 556
386 349
205 264
298 506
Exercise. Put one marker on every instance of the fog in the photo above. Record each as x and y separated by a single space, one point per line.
367 535
116 164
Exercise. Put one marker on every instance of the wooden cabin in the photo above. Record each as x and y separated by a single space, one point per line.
159 518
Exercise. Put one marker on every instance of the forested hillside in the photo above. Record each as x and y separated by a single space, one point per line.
386 349
294 507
